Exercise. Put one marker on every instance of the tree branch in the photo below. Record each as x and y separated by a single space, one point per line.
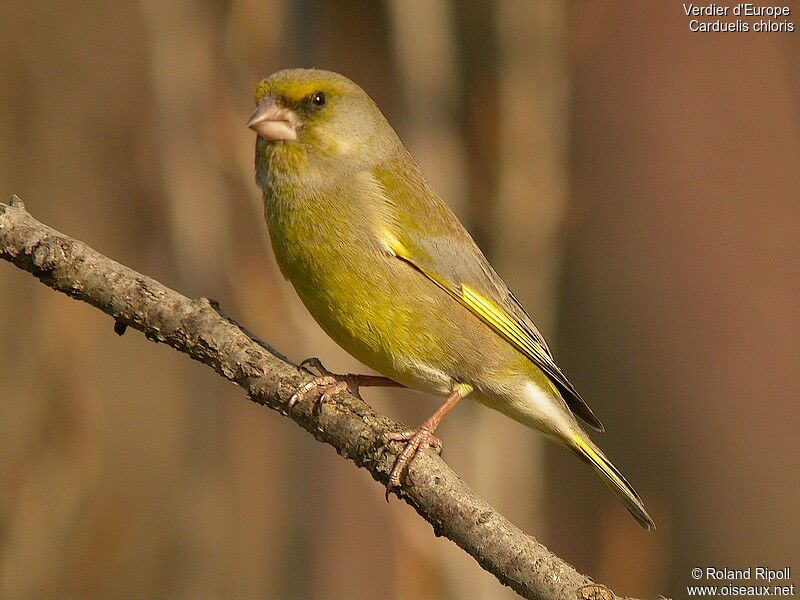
197 328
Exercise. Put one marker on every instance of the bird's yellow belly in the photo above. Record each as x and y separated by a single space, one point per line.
353 295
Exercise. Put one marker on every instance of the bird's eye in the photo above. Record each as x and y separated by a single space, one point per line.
318 99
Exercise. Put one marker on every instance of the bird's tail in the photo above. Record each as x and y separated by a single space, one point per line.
591 454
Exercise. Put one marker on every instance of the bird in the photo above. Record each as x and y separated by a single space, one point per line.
393 277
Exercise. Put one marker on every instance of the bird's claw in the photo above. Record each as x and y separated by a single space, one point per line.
415 439
316 364
409 434
333 382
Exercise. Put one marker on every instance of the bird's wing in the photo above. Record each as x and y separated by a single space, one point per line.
450 259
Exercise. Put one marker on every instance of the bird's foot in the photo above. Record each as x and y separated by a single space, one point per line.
332 382
415 439
335 382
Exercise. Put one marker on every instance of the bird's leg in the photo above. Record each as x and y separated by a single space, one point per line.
335 383
416 438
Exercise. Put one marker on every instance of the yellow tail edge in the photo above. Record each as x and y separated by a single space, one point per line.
613 480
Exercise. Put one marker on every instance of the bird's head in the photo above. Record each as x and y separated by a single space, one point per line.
313 125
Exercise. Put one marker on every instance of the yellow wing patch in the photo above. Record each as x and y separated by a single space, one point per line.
499 320
484 308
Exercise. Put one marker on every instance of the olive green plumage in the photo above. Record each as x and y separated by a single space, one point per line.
390 273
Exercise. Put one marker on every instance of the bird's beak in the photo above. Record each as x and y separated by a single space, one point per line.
274 122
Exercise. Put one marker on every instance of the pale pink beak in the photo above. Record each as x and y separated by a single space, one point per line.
273 122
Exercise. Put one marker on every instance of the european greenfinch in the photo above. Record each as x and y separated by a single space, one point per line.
390 274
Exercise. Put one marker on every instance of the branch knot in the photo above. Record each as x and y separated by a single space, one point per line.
47 254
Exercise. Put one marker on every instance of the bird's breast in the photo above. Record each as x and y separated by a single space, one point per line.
365 299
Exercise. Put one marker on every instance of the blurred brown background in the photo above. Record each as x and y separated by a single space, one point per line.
636 184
